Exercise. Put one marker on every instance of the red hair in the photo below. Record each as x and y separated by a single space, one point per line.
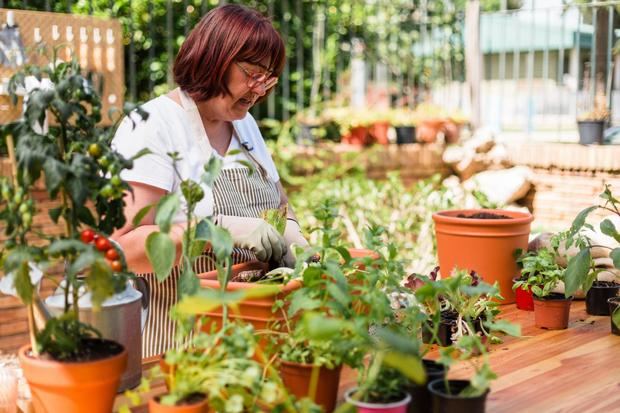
226 34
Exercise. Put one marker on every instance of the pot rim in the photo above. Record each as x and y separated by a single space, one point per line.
450 217
452 396
543 299
306 365
403 402
23 355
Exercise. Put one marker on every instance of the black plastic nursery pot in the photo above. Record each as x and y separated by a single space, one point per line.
451 402
591 131
422 401
405 134
614 305
597 296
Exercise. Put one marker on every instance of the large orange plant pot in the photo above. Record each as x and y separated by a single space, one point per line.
297 376
483 245
256 311
72 387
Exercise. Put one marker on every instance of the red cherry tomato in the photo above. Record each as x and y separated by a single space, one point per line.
87 236
111 254
102 244
116 266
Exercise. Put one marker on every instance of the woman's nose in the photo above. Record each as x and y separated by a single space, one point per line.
259 89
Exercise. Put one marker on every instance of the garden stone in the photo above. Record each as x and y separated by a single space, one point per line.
503 186
482 141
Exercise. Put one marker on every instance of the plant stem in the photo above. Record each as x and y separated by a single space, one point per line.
32 330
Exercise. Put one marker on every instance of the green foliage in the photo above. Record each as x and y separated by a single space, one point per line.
540 272
581 271
276 218
80 168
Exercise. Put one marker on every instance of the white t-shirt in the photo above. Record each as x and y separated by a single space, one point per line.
174 128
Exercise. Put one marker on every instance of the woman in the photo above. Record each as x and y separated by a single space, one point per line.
229 61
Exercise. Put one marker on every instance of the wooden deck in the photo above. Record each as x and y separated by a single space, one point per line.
573 370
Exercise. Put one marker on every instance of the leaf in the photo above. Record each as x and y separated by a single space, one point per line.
576 272
616 317
260 291
300 301
100 282
338 295
206 301
323 328
54 214
608 228
55 174
137 219
615 256
409 366
23 285
504 326
212 170
167 208
188 282
161 252
580 219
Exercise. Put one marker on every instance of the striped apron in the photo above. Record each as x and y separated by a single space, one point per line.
236 192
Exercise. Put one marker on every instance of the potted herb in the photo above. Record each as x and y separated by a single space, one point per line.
483 240
456 303
385 394
531 263
551 309
591 125
69 368
581 272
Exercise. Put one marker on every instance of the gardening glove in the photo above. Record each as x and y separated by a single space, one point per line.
292 237
256 235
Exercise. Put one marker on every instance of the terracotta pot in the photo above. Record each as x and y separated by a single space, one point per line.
296 378
451 131
552 313
427 130
72 387
524 297
200 406
379 132
256 311
399 406
483 245
357 136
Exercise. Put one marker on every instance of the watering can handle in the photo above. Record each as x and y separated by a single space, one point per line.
141 285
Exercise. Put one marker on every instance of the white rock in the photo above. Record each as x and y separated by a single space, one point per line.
502 186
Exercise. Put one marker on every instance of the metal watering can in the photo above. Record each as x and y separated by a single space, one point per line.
122 318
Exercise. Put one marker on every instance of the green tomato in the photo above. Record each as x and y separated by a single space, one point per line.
23 208
27 219
116 181
104 162
107 191
94 150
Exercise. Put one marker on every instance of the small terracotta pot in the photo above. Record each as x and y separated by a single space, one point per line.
552 313
198 407
72 387
523 297
427 130
483 245
379 132
357 136
297 377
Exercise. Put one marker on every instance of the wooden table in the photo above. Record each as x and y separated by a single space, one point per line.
572 370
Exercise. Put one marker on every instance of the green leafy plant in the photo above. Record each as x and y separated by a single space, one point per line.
81 172
580 271
539 271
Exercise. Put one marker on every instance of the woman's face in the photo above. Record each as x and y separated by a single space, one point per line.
245 91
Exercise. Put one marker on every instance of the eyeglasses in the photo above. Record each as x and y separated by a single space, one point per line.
255 79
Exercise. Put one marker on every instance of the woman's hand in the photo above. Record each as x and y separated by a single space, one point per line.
256 235
292 237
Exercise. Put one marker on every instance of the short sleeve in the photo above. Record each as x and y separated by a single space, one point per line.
135 134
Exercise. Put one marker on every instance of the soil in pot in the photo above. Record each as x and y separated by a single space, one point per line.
451 402
297 377
420 396
85 385
523 297
596 299
614 305
484 215
552 311
194 403
396 406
